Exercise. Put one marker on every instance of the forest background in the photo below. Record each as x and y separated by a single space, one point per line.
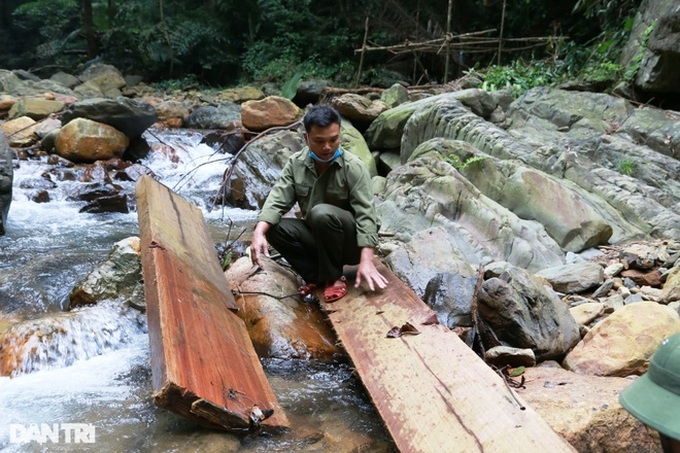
222 43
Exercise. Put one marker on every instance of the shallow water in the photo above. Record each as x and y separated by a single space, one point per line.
105 385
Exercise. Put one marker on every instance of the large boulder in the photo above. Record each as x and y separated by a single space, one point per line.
623 343
523 312
6 179
83 140
351 140
130 116
652 53
259 167
571 216
221 116
585 411
429 253
241 94
272 111
35 108
20 131
359 109
100 80
428 191
574 278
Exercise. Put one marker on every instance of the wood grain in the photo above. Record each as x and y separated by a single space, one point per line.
200 350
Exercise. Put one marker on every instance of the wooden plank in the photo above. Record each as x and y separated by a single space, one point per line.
433 393
203 363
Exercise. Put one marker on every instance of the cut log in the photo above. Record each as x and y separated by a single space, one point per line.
433 393
203 363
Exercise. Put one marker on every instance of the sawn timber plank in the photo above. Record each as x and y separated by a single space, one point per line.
433 393
203 363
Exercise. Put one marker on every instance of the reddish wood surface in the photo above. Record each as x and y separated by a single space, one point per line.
432 391
203 363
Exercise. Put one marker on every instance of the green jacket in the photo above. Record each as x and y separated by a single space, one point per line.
346 184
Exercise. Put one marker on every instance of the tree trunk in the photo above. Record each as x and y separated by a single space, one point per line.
88 27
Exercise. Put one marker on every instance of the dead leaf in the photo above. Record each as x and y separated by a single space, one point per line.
431 320
406 329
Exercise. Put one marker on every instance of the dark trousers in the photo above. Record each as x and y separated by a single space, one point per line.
318 246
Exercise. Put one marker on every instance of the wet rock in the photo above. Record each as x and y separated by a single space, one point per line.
585 411
278 322
259 166
172 112
214 117
59 340
623 343
119 277
272 111
501 356
83 140
573 278
524 313
110 203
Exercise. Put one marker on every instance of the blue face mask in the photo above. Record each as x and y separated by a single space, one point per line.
338 153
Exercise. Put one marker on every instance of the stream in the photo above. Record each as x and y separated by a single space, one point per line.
92 391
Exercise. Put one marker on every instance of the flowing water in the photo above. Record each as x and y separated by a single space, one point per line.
90 389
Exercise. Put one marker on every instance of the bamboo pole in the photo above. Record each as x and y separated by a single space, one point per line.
363 51
500 38
448 38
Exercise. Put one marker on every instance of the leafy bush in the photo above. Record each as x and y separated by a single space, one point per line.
520 76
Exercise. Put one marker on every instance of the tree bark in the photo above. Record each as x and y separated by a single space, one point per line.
88 27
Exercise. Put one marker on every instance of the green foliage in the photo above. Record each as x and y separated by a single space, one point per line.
602 72
47 27
627 166
184 83
636 62
456 163
289 89
520 76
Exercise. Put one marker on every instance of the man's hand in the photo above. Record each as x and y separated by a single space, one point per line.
259 246
368 273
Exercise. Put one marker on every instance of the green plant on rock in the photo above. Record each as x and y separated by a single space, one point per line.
636 62
458 164
520 76
627 166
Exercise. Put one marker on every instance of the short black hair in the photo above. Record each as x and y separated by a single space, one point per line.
321 115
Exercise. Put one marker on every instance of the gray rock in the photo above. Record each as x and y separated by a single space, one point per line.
211 117
604 289
524 313
395 95
130 116
450 296
501 356
573 278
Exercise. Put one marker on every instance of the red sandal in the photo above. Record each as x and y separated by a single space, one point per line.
336 291
307 289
